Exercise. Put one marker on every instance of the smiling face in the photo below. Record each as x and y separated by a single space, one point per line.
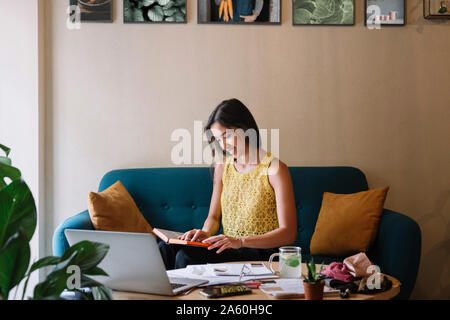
226 137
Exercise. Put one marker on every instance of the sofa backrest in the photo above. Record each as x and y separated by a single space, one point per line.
178 198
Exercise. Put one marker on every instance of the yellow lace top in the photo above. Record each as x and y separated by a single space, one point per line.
248 200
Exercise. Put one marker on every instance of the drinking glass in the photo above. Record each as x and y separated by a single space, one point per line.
290 265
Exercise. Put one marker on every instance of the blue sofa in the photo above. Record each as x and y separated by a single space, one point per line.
179 198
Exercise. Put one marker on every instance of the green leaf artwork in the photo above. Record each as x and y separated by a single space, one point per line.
154 11
323 12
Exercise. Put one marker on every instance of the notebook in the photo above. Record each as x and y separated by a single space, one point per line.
172 237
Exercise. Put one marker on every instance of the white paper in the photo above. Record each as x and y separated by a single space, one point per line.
287 287
206 272
234 269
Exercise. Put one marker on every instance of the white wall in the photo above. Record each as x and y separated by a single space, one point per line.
19 96
376 100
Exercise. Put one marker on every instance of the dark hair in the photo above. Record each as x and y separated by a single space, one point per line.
231 113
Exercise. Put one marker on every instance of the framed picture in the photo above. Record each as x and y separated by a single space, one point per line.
154 11
323 12
436 9
266 12
94 10
385 12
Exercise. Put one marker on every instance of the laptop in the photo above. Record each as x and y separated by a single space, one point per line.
133 263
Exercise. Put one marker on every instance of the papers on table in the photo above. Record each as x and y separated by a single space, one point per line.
289 288
222 273
235 269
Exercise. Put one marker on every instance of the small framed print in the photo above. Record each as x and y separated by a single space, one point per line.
385 13
94 10
249 12
154 11
436 9
323 12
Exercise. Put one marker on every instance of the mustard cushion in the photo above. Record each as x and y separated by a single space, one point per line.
114 209
348 223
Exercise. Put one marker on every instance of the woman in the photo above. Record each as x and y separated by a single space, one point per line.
254 200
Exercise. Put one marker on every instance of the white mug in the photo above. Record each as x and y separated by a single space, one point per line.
290 265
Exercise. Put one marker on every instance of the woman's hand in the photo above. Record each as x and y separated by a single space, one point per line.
194 235
251 18
224 242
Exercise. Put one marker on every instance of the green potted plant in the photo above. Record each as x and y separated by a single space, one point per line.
18 220
312 282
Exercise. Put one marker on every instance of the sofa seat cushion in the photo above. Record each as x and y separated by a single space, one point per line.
114 209
348 223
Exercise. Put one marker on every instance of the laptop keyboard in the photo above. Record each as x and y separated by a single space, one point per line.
177 285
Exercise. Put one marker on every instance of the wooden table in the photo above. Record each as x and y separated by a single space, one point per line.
257 294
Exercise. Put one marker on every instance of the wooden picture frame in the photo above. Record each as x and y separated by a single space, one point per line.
431 11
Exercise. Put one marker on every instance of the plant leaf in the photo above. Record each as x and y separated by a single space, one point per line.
133 15
52 286
8 171
127 11
302 16
14 261
163 2
56 281
44 262
88 254
5 149
41 263
84 254
87 282
5 160
179 17
320 269
102 293
138 15
305 4
170 12
156 14
169 5
96 271
147 3
17 210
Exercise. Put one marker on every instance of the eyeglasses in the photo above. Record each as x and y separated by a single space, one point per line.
243 272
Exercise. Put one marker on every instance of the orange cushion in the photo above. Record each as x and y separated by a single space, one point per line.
114 209
348 223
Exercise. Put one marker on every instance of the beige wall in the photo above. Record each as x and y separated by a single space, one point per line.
20 102
376 100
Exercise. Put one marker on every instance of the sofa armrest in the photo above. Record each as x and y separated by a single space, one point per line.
79 221
397 249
